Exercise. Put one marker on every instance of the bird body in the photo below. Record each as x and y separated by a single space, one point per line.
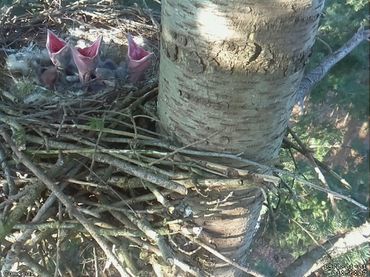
49 76
62 64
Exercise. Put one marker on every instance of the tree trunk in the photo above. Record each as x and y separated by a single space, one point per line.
228 75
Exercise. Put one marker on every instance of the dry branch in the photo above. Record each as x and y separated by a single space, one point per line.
66 202
332 248
129 183
311 79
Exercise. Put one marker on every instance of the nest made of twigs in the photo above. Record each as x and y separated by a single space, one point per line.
98 154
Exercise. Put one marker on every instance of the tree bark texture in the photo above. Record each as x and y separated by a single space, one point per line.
228 218
231 68
229 71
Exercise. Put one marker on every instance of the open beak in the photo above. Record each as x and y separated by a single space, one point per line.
58 50
86 59
138 60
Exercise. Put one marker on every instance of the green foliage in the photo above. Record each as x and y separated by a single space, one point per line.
357 4
352 263
349 79
96 123
306 217
264 268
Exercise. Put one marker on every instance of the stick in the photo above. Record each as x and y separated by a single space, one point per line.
316 75
66 202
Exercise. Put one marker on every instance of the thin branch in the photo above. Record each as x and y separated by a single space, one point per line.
9 187
143 225
10 257
33 265
332 248
317 74
33 192
319 188
318 171
184 147
197 153
77 227
186 268
66 202
131 169
220 256
330 171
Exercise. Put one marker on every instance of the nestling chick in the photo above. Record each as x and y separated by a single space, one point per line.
49 77
138 60
87 59
59 51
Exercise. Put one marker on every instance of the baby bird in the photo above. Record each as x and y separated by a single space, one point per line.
59 51
87 59
49 76
138 60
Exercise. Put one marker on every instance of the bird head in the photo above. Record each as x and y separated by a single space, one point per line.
138 60
87 59
58 50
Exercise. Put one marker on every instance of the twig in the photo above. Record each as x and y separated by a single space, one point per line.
9 259
159 196
33 192
318 171
59 233
343 181
116 232
95 263
124 254
103 130
144 226
319 188
220 256
231 172
191 270
335 175
302 227
66 202
183 147
12 198
197 153
141 99
317 74
325 43
166 251
9 187
332 248
157 179
33 265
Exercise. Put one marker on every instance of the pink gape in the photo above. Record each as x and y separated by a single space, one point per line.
58 50
87 59
138 60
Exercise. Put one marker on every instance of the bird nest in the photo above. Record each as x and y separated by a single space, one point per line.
119 184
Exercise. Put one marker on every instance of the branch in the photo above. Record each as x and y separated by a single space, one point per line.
316 75
9 187
281 173
221 256
332 248
146 175
50 184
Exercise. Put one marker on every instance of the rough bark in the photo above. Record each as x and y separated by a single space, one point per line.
228 75
232 67
228 219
